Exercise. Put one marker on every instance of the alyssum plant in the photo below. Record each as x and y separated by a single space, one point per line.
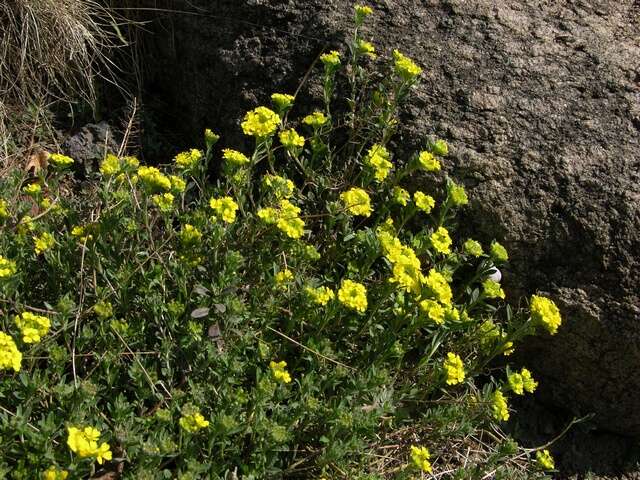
304 316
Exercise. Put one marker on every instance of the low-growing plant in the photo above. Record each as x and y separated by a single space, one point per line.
301 314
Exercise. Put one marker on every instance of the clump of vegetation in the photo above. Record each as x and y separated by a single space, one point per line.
301 315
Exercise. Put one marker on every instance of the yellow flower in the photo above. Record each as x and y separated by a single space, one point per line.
282 101
428 162
362 10
366 48
44 242
7 267
404 67
498 252
378 158
284 276
499 406
440 147
420 457
164 201
357 202
546 313
279 372
315 119
190 236
516 383
492 289
406 266
289 221
529 383
153 179
210 137
353 295
188 159
291 139
260 122
103 453
281 187
53 473
441 241
110 165
4 209
33 327
268 215
331 59
84 443
439 287
545 460
424 202
473 248
32 189
59 160
178 185
233 157
454 369
401 196
193 422
457 194
224 207
320 295
434 310
10 356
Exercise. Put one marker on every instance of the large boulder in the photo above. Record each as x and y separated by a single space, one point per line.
540 102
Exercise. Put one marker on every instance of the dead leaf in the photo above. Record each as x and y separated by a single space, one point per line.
37 161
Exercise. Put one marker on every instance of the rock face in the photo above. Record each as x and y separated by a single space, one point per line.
540 102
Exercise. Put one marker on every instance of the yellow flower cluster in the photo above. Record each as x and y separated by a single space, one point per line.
353 295
492 289
281 187
291 140
545 460
279 371
420 457
285 217
401 196
53 473
498 252
433 310
440 147
224 208
424 202
260 122
33 327
284 276
84 443
522 382
164 201
499 406
193 422
457 194
545 313
441 241
404 67
454 369
473 248
234 157
4 209
178 184
210 137
190 236
363 10
32 189
7 267
330 59
357 202
491 333
43 243
153 179
282 101
378 158
406 266
439 287
427 161
366 48
315 119
320 295
112 165
10 356
59 160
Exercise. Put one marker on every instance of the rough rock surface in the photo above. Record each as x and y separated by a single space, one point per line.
90 143
540 102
